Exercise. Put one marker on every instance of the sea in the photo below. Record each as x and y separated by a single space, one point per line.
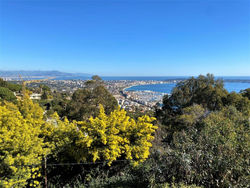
167 88
231 83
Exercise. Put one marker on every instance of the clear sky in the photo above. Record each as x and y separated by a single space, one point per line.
126 37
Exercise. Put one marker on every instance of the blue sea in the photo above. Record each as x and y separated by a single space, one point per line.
157 78
167 88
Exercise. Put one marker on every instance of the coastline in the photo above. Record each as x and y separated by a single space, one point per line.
156 87
151 82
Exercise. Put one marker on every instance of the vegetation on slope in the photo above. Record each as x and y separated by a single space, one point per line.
200 137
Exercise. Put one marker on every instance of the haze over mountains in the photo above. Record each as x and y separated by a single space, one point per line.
24 73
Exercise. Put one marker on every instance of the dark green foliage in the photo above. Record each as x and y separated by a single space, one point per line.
246 93
205 135
85 102
90 175
96 81
57 104
6 94
138 113
46 91
203 140
11 86
119 175
44 87
14 87
44 96
204 90
3 83
241 103
213 152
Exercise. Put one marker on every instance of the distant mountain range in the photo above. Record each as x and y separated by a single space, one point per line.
41 74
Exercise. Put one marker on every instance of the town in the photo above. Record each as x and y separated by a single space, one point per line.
127 99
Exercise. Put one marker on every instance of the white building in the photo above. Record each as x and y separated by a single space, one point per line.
35 96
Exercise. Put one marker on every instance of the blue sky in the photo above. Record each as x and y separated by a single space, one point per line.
126 38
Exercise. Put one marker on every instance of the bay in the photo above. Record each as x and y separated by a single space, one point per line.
167 88
148 78
231 83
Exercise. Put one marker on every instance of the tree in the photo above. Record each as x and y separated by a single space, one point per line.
14 87
26 138
58 104
45 91
211 151
240 102
204 135
96 81
6 94
20 145
204 90
190 117
105 139
246 93
11 86
85 102
44 87
45 95
3 83
116 135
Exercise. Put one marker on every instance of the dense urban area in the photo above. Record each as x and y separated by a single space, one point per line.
129 100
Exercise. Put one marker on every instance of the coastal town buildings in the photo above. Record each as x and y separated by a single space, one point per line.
129 100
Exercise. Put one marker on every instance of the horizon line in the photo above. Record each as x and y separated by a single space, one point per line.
91 74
